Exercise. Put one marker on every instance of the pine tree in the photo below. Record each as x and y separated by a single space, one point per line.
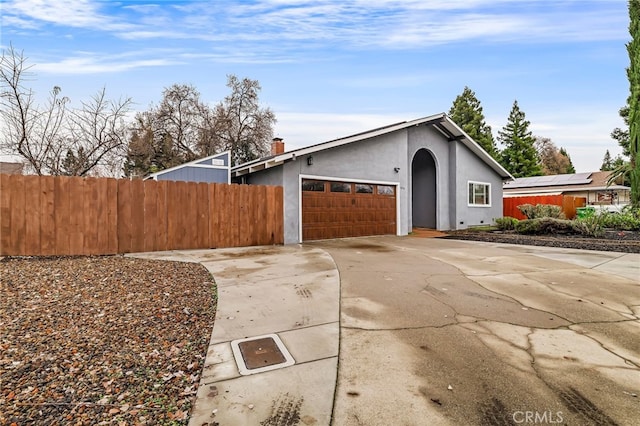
607 162
569 169
466 112
519 156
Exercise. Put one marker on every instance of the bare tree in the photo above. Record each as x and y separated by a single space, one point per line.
96 135
181 116
239 124
183 128
54 139
168 134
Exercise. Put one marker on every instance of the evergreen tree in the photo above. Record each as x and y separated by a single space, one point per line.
519 156
607 162
466 112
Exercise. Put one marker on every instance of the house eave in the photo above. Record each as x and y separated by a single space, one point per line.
441 122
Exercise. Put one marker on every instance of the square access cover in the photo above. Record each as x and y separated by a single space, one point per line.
261 353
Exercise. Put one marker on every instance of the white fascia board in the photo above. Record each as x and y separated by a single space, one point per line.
450 125
281 158
201 166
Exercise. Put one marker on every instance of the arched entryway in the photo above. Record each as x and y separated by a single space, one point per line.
423 190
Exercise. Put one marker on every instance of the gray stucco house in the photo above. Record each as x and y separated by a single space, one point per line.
422 173
212 169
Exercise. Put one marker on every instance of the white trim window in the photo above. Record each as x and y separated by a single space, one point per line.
479 194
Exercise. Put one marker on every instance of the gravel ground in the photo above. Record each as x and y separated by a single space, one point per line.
102 340
618 241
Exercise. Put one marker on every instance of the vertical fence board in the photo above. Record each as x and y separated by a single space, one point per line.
137 215
235 221
112 216
90 222
102 213
161 205
32 214
124 216
222 221
259 201
151 214
172 214
76 215
202 228
61 205
213 216
191 225
5 214
47 216
244 225
17 216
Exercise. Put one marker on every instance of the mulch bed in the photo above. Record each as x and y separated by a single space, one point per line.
616 241
102 340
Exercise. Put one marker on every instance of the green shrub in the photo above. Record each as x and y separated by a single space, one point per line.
506 223
590 225
545 225
541 210
627 220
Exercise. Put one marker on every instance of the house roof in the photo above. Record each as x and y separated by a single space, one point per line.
440 122
196 163
576 182
11 168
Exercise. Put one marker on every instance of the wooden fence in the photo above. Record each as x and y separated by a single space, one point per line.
568 203
47 215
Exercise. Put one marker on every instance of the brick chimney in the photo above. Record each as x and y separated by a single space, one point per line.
277 146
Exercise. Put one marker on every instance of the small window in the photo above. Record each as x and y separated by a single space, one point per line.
340 187
479 194
362 188
313 185
385 190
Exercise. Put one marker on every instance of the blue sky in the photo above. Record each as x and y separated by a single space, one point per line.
329 68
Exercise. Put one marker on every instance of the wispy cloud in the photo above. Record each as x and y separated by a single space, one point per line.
390 24
91 63
76 14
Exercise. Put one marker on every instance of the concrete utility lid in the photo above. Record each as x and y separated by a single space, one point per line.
261 353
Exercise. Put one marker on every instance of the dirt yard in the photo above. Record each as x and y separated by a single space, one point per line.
102 340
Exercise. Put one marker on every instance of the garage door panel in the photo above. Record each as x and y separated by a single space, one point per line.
327 214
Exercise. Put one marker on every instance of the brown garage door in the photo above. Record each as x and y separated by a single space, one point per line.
344 209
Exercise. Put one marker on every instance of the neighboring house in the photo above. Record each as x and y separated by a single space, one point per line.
421 173
213 169
11 168
592 186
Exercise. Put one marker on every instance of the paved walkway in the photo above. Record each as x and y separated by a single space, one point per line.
425 331
291 291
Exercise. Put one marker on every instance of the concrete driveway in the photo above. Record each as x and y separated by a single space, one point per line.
450 332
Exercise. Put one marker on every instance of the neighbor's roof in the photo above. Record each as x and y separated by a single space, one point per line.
440 122
11 168
194 163
590 181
